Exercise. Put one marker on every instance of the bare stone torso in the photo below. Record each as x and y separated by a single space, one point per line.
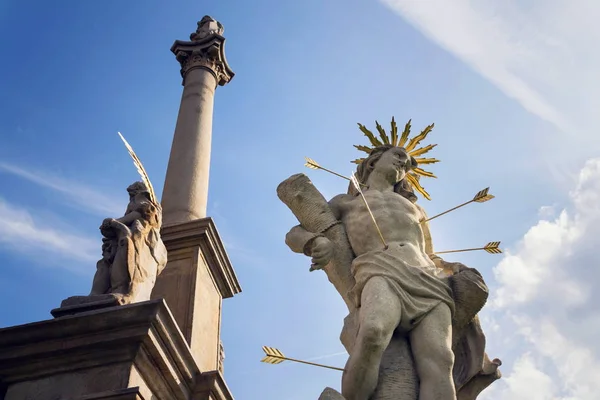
397 218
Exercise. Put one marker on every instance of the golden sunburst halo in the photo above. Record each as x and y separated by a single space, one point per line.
410 144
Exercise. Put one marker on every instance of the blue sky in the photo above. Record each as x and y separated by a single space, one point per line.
512 89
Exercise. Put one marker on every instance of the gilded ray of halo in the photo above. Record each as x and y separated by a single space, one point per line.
410 144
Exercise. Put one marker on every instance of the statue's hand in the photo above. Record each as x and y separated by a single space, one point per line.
106 223
321 253
455 267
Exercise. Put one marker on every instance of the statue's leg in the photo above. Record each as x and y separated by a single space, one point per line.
101 282
431 345
379 316
119 277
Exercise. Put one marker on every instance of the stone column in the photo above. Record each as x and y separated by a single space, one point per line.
199 274
203 67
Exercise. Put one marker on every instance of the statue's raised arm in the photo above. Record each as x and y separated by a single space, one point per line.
318 220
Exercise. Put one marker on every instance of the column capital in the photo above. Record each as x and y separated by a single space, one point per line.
206 50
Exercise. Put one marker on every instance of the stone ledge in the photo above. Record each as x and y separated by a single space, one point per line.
211 385
139 340
123 394
203 233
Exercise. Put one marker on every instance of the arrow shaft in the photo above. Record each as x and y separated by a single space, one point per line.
372 215
331 172
459 251
450 210
311 363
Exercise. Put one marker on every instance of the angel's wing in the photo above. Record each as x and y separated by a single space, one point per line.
141 170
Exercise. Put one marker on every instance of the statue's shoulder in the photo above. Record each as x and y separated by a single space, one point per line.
339 203
421 211
340 200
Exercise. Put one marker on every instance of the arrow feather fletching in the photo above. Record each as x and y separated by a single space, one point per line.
310 163
355 183
493 248
482 196
141 170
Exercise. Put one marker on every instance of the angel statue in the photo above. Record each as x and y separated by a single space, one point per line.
412 331
133 253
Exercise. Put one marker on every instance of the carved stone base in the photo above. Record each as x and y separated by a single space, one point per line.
198 276
76 304
130 352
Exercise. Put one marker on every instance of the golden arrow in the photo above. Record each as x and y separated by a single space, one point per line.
312 164
491 247
357 187
481 197
275 356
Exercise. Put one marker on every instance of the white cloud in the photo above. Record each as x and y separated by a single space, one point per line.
545 311
22 233
545 302
536 51
526 382
79 195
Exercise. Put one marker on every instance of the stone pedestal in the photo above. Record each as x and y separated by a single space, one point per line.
197 277
132 352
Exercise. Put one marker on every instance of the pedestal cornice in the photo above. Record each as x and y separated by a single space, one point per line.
142 333
203 233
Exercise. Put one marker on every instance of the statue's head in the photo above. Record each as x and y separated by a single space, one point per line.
207 26
390 161
138 188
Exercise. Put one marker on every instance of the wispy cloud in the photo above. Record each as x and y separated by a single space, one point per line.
546 302
22 233
76 194
537 52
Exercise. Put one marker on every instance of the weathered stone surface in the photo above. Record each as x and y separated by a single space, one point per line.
133 351
133 255
207 27
331 394
76 304
396 288
198 276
